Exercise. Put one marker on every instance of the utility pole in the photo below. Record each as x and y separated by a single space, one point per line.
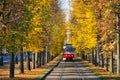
46 51
68 32
118 44
118 37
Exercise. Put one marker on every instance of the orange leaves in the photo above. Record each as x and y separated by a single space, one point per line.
108 35
105 24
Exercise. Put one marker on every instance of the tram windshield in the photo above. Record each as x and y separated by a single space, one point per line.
69 49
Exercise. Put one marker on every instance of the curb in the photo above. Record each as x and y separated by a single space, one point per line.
49 71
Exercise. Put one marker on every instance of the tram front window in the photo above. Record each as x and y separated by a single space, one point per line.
69 49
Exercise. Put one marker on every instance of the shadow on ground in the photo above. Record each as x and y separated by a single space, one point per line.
110 78
17 78
101 72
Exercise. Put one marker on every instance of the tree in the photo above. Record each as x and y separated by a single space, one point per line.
9 16
27 25
84 27
115 8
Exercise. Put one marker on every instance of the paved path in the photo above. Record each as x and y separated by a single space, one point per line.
75 70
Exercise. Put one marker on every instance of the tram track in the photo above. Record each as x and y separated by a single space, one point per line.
74 65
78 71
71 70
62 69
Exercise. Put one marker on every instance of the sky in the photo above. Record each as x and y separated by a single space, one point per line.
65 6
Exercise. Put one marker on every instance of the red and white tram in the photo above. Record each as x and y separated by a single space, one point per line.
68 52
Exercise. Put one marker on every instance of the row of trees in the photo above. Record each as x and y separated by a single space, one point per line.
95 27
30 26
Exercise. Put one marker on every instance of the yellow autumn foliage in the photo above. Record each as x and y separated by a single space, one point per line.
46 25
84 28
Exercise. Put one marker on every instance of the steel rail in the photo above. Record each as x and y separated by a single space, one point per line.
78 71
75 65
62 69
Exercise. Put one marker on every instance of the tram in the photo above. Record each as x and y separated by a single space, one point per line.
68 52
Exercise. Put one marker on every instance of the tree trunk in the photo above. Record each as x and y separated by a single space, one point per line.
28 61
39 60
33 60
92 57
42 58
11 65
16 59
111 63
102 60
89 58
48 57
107 64
21 61
83 55
36 60
95 58
46 53
98 54
86 57
45 58
1 59
118 45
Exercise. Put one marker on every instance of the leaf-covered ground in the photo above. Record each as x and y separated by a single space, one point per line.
28 75
101 72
